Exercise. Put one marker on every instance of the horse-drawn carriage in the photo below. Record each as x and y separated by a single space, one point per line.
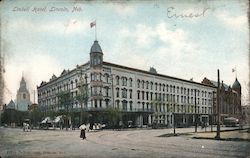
26 125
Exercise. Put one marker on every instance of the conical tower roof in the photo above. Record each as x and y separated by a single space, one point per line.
96 48
236 84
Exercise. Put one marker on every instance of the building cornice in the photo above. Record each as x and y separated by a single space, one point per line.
155 74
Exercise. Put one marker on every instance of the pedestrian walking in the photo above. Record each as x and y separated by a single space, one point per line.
83 129
202 125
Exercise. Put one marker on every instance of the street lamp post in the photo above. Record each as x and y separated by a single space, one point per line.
212 112
218 107
112 89
195 106
174 123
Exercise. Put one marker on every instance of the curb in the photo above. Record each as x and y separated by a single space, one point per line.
223 139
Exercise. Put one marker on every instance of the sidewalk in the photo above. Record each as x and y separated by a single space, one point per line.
232 135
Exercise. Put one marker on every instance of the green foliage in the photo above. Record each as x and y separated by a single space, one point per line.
65 100
13 116
113 115
35 116
82 97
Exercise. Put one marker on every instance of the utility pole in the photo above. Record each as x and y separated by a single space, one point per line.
112 86
195 106
174 123
86 91
218 107
212 111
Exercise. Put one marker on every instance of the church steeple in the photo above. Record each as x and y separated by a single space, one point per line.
23 96
23 85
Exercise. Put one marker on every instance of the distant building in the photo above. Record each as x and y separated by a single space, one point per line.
143 97
11 105
22 97
230 101
32 106
1 81
246 114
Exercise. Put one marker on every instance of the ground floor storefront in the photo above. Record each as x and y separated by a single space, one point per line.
121 119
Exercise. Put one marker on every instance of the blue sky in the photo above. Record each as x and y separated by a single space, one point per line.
132 33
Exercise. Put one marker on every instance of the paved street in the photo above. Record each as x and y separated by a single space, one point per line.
109 143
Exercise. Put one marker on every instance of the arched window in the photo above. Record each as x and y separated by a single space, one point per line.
147 83
117 92
130 82
24 96
138 83
117 80
142 84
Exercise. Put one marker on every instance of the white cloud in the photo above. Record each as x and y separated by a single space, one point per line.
123 8
157 45
52 27
232 21
174 42
36 68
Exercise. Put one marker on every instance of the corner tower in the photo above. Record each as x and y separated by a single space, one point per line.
237 88
96 61
96 55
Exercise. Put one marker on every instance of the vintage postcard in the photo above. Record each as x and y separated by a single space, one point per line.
150 78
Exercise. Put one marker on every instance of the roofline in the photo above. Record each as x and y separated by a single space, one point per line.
156 74
61 76
133 69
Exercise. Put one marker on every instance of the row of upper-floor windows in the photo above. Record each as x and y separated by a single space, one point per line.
158 107
59 88
171 88
161 87
141 95
162 107
124 81
124 93
56 99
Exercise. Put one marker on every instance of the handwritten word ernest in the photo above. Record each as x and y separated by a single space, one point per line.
172 13
46 9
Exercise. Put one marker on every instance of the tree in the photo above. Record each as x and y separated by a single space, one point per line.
82 96
65 100
113 115
35 116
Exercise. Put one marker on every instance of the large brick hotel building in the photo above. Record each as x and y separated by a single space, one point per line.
142 97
